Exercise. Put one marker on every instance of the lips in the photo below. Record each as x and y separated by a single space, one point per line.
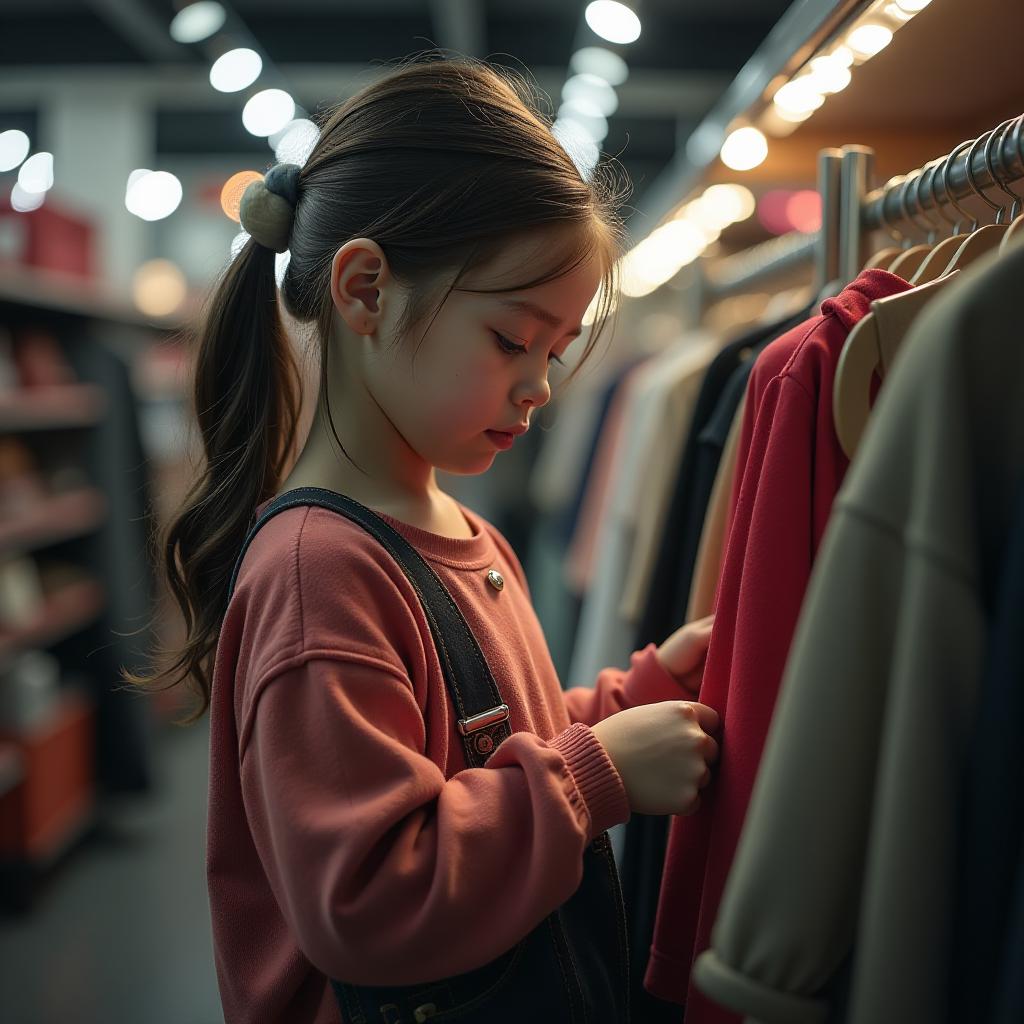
501 438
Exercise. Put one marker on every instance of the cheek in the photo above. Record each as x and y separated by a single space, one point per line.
454 397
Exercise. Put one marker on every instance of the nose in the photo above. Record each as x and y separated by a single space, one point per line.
533 392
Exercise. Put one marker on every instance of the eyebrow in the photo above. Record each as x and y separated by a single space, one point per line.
538 313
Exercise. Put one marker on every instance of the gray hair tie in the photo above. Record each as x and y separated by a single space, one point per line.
267 209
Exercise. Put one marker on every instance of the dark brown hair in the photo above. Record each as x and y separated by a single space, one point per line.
441 162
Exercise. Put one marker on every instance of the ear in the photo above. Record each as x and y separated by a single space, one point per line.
359 276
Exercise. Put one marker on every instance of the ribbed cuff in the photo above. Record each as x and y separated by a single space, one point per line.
648 681
596 778
737 991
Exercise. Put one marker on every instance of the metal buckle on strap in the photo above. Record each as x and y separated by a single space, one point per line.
482 721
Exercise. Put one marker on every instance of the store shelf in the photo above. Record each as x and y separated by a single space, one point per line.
54 519
48 290
52 408
64 612
54 804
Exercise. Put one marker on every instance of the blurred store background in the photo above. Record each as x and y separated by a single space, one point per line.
128 131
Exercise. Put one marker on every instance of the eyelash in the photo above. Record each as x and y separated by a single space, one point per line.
511 348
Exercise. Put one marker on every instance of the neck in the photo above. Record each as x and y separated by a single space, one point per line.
391 480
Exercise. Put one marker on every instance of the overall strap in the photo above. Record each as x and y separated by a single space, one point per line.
483 716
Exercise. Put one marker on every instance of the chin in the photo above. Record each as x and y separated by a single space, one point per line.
483 464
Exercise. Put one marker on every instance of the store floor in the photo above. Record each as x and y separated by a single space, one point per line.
120 932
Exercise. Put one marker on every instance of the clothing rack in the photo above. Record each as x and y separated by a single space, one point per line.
965 171
851 210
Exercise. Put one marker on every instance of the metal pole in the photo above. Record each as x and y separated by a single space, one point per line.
826 258
858 163
762 261
1007 155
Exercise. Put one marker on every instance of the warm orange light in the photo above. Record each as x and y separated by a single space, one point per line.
233 190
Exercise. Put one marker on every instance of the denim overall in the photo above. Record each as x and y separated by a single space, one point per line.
573 967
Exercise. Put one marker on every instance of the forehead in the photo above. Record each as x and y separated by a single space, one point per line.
529 255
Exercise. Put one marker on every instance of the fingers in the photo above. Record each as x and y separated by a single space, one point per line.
711 750
707 717
699 632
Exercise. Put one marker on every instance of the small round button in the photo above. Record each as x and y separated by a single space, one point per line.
495 579
484 744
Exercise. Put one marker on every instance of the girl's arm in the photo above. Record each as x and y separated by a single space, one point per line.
386 872
672 671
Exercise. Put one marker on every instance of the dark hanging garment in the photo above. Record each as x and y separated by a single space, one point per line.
646 836
988 934
665 607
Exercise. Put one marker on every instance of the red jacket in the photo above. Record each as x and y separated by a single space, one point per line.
345 836
790 467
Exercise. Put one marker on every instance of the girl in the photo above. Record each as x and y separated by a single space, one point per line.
444 247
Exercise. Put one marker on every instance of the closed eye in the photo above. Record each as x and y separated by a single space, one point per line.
507 346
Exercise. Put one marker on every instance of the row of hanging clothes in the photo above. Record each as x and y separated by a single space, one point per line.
842 485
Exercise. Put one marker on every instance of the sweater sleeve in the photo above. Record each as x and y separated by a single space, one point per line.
646 681
374 856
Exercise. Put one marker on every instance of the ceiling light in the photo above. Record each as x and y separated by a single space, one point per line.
791 117
867 40
829 75
913 6
268 112
595 125
134 177
14 147
897 13
26 202
596 60
36 174
153 196
197 21
592 89
744 149
578 143
732 202
296 141
236 69
798 97
613 21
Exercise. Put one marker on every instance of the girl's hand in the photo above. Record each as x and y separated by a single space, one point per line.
683 654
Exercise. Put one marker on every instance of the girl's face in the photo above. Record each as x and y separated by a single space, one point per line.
483 363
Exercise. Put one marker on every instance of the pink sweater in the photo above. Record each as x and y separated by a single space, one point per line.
346 838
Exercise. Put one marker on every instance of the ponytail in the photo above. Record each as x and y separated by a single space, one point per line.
246 401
